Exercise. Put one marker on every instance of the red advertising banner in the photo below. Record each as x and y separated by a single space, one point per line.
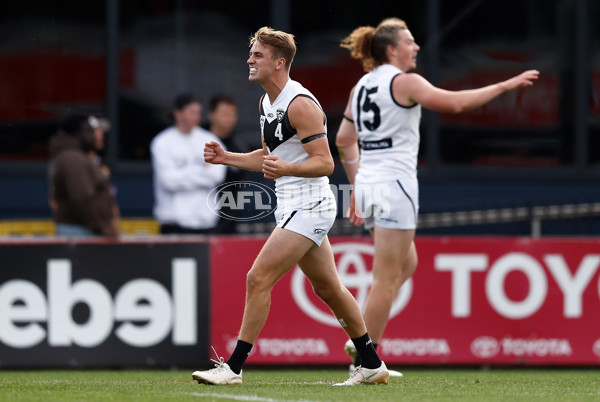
471 301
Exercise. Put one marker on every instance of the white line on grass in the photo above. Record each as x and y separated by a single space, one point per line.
244 397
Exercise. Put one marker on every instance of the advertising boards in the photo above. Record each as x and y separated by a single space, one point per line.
103 304
471 301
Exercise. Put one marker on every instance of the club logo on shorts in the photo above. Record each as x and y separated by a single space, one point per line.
320 231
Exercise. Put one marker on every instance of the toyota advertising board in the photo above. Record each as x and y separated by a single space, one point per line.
471 301
99 304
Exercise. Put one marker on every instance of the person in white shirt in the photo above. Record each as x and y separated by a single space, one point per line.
382 119
182 179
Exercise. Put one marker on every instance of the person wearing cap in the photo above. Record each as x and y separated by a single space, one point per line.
101 126
80 195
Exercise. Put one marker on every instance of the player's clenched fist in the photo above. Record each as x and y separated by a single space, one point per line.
214 153
273 167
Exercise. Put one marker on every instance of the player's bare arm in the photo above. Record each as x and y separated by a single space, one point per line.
346 141
412 88
308 120
215 154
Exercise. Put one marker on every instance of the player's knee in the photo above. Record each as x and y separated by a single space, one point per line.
255 281
325 293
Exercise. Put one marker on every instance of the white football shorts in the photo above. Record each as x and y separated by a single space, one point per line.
311 218
393 204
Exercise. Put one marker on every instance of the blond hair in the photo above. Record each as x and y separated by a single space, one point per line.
283 43
369 45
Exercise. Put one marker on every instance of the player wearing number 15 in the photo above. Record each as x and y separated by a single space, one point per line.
382 120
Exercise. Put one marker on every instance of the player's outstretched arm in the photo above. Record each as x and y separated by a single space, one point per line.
412 88
215 154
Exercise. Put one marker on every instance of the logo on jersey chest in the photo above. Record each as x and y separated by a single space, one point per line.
271 117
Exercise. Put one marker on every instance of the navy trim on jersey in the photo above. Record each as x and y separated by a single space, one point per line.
312 138
392 94
348 118
410 199
288 219
312 99
288 131
373 145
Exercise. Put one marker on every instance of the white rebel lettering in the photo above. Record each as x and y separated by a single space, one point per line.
461 266
63 295
155 312
138 300
32 308
184 276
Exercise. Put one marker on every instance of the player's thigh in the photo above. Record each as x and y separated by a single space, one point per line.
393 247
282 250
318 265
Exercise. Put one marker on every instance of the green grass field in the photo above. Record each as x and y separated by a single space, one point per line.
303 385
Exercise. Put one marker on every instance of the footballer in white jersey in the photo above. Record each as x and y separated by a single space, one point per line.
296 154
386 188
308 196
378 143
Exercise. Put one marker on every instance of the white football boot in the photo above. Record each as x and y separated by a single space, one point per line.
365 376
350 350
220 375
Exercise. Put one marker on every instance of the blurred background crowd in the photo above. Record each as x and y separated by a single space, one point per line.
531 158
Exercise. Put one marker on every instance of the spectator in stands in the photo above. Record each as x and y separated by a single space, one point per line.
101 126
81 196
182 180
222 119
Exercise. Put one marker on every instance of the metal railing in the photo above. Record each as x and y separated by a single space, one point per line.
535 215
432 220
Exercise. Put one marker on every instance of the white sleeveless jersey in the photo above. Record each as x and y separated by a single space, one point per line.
282 140
388 132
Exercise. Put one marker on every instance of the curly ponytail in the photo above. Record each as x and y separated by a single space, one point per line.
359 44
369 45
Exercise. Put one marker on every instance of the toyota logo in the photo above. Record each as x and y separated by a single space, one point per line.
485 346
355 274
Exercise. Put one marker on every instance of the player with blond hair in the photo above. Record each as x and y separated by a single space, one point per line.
296 155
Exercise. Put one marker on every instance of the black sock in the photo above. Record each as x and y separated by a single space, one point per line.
239 355
357 359
366 352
